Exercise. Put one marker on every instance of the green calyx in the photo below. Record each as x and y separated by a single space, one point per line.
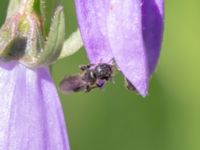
44 52
24 25
22 37
8 36
27 37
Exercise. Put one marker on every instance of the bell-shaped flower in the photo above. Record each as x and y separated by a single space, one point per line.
31 116
128 32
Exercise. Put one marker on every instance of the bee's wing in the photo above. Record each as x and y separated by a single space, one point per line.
72 84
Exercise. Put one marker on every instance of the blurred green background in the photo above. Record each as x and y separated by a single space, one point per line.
116 119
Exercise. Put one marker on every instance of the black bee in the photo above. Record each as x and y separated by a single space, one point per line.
91 77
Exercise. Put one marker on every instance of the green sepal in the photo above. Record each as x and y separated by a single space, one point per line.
13 7
55 37
47 8
6 41
43 8
71 45
41 56
34 45
8 35
22 36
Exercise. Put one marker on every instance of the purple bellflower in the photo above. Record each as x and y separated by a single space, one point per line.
31 116
128 32
30 112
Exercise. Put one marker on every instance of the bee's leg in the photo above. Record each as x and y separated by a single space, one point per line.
85 67
129 85
100 83
111 79
88 88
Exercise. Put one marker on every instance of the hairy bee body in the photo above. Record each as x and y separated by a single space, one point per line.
88 79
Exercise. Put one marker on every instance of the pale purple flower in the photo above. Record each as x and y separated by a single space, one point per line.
31 116
126 31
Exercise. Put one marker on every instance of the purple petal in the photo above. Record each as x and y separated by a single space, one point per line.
160 6
135 39
152 24
92 22
125 35
31 116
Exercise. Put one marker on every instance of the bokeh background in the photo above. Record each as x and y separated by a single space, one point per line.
117 119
